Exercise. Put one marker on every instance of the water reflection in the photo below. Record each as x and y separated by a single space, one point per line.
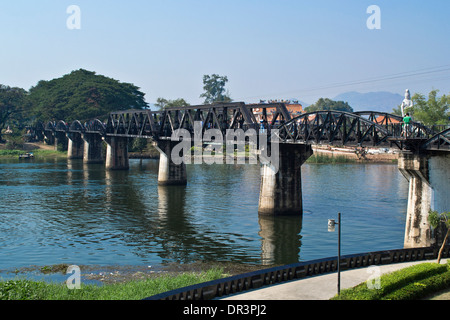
68 212
280 239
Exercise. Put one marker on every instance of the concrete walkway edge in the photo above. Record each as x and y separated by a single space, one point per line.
321 287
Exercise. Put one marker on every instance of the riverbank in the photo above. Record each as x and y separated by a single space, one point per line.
24 289
122 274
38 149
322 154
330 154
137 285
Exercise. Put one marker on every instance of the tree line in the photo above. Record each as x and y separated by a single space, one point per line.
84 95
80 95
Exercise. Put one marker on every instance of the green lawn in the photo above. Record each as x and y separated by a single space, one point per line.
133 290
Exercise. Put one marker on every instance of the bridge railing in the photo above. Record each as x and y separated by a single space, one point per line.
257 279
439 142
409 131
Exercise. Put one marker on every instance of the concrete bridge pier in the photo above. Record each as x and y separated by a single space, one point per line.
429 182
93 148
49 138
61 141
117 153
281 188
75 147
169 172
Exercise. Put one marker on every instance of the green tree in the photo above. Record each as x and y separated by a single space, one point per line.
137 145
329 105
214 87
162 103
436 219
433 111
12 107
83 95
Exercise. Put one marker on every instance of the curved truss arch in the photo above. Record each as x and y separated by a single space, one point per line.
333 127
394 124
382 118
50 126
96 126
77 126
61 126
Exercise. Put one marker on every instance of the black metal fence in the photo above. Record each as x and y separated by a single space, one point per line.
257 279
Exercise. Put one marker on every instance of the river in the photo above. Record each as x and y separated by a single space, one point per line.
63 211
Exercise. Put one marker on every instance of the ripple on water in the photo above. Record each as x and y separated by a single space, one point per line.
66 212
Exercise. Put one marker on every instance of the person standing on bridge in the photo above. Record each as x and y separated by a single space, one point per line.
406 125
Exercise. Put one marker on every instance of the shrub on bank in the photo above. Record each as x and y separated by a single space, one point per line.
326 159
39 153
411 283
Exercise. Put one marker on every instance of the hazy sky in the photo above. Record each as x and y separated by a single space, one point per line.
267 49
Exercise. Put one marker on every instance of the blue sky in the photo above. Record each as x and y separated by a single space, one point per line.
267 49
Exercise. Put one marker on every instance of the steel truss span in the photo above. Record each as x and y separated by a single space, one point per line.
365 128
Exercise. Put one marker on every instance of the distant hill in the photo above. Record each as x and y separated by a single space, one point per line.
372 101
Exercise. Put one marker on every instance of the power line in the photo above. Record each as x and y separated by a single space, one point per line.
408 74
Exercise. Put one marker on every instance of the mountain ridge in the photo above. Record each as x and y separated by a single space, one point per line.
381 101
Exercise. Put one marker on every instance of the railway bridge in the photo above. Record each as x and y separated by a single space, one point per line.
283 143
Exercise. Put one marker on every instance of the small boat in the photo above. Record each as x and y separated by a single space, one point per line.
26 156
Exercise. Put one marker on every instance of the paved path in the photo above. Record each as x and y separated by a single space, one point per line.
321 287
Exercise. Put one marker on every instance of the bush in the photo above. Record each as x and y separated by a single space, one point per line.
410 283
420 289
10 153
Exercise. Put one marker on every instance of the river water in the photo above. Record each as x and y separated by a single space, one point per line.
62 211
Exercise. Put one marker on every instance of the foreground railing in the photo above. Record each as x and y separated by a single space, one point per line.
257 279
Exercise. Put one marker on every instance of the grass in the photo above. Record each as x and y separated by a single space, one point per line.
21 289
412 283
